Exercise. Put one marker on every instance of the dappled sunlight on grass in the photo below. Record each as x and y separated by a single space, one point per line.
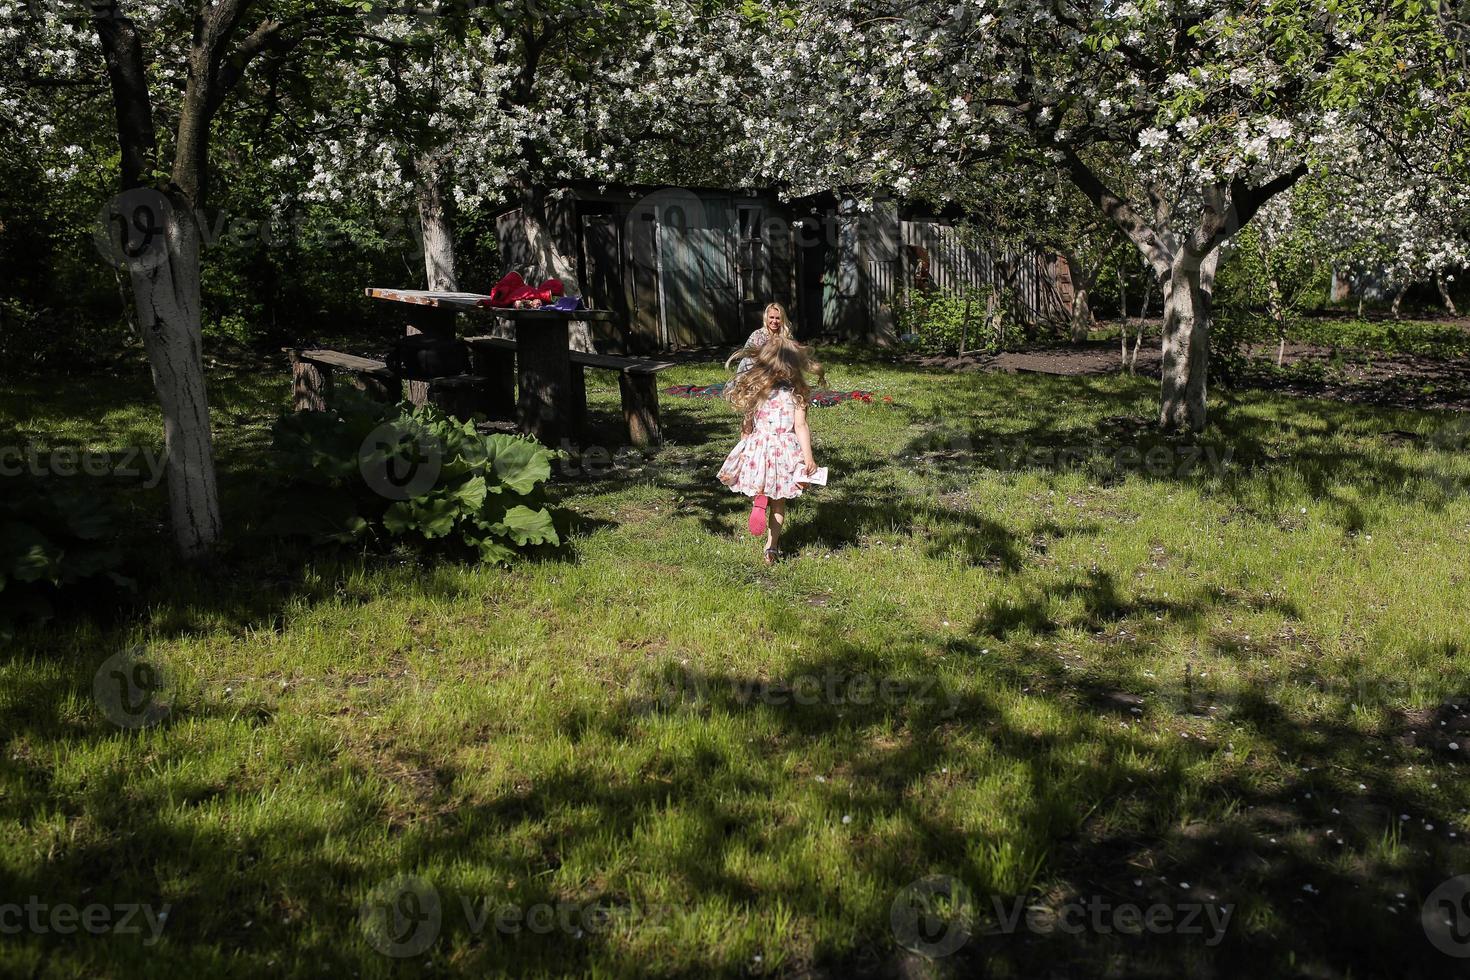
1008 646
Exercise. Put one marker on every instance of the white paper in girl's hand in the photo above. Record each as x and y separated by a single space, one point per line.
817 479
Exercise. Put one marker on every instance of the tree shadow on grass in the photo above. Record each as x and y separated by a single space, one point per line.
1117 810
1253 453
1066 793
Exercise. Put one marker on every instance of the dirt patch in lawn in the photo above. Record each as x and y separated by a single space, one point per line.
1312 370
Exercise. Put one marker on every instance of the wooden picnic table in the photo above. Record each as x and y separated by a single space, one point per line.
546 408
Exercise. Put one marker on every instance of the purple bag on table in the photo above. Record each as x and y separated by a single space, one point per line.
567 304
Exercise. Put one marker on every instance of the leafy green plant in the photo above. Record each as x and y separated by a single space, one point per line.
365 470
942 322
52 544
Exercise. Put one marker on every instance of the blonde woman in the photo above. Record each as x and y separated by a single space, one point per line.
775 450
774 323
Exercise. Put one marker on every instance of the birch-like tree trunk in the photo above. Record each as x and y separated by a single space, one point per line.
159 224
1187 265
1186 342
166 296
438 235
1080 320
1444 295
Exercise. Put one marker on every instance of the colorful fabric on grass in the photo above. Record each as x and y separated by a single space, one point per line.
822 399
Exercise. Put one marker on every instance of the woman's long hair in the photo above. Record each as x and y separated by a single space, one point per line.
779 361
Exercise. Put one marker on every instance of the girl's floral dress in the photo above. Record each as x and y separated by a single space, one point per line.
768 461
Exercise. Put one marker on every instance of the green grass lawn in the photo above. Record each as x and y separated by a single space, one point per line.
1023 649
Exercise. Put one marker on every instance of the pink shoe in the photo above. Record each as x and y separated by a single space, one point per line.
758 514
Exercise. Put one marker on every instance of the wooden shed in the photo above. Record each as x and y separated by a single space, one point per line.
695 267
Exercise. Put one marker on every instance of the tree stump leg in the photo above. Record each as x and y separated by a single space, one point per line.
640 407
310 384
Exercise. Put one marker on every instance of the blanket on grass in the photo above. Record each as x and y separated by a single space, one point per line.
821 398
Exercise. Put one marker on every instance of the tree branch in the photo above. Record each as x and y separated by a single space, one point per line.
1119 211
122 51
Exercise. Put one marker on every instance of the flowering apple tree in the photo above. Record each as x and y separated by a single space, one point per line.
1177 119
497 104
168 68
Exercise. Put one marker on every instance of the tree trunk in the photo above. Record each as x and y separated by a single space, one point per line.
1186 342
1398 299
1081 314
1276 309
1122 295
439 271
165 278
1080 317
549 260
1444 295
157 240
1190 268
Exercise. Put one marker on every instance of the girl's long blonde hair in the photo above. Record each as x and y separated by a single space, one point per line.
779 361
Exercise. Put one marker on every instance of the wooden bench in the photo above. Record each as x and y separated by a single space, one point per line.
311 383
312 370
637 382
638 385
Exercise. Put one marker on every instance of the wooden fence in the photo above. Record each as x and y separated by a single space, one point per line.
958 258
